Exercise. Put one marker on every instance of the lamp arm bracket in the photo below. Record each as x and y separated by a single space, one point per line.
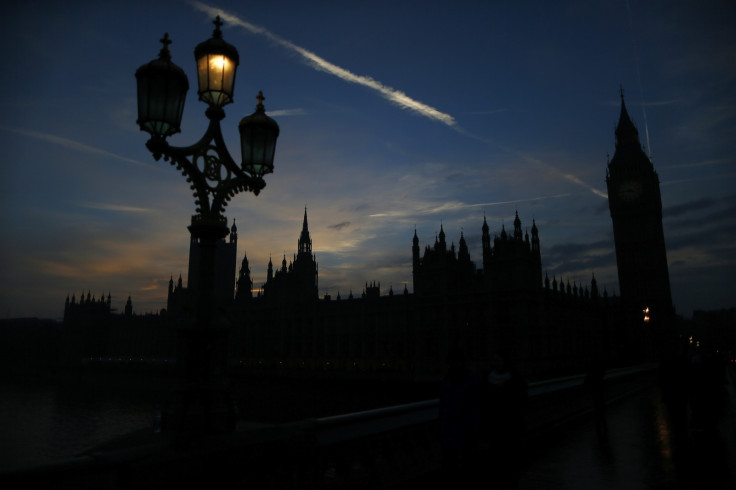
211 172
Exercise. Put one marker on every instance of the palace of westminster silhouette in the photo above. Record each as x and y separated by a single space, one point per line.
505 305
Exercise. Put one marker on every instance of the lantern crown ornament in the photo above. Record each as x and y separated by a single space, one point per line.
162 90
217 62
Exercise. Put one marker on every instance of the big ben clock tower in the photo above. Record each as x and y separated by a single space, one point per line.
636 211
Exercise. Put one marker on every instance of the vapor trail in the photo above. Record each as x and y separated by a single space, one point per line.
71 144
393 95
535 161
457 206
638 73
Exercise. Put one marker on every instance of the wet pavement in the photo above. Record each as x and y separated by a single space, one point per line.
648 440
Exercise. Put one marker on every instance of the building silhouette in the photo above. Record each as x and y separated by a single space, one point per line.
503 303
94 332
503 306
181 300
635 203
296 283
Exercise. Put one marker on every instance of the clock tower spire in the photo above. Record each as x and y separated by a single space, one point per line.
636 212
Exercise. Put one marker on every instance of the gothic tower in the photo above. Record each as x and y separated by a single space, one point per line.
415 259
244 282
636 211
299 281
487 250
305 242
305 264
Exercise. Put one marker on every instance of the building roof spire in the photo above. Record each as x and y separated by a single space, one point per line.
626 132
305 241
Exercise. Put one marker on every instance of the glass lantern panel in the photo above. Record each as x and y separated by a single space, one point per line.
175 102
258 146
161 103
202 75
216 74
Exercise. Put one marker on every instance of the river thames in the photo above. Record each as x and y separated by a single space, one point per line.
50 418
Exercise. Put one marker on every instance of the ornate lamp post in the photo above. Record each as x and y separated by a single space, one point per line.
203 404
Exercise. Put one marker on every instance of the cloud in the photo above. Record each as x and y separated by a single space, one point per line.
339 226
680 209
640 103
288 112
704 163
579 249
393 95
73 145
115 207
535 161
487 113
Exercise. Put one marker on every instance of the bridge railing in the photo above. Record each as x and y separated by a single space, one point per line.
382 448
373 449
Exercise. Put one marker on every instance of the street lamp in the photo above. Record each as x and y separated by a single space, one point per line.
202 405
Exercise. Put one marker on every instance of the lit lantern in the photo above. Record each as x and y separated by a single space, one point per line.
216 65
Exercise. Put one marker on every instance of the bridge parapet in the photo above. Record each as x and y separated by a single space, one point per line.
372 449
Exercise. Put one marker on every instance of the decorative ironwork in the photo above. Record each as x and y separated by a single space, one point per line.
213 175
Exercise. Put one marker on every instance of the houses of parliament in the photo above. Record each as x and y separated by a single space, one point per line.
501 304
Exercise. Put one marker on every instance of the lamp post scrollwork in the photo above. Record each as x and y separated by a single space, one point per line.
215 178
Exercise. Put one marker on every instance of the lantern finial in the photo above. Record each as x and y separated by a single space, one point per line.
165 54
217 34
162 88
260 98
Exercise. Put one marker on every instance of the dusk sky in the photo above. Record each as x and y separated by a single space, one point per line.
394 116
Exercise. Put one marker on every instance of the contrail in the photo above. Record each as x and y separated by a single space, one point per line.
536 161
114 207
456 206
638 72
74 145
396 96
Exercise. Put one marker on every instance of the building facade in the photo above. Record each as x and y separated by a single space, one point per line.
504 307
502 304
635 204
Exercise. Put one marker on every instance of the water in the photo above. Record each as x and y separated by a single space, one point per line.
50 419
45 420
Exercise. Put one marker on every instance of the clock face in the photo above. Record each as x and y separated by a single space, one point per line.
628 191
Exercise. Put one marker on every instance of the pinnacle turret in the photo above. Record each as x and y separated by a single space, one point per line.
305 241
626 132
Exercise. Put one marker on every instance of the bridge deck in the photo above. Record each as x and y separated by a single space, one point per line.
647 441
645 446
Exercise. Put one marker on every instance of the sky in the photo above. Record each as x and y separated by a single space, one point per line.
394 117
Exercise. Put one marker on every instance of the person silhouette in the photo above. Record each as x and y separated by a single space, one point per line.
460 411
504 423
594 383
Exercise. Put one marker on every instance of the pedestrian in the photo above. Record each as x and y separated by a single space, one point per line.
594 383
460 412
504 423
